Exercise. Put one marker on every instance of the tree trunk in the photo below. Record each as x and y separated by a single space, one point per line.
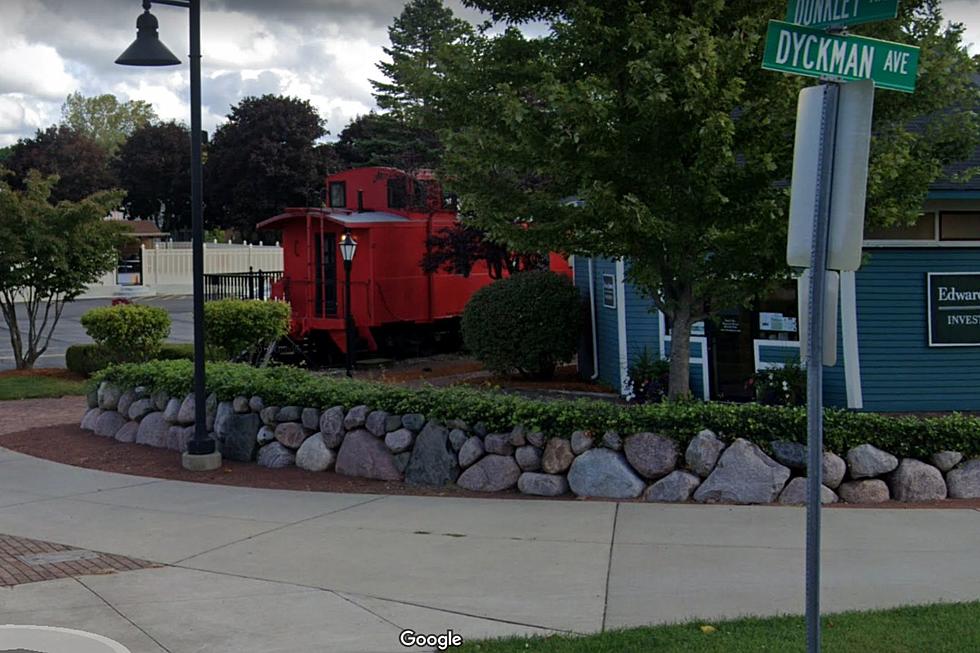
681 320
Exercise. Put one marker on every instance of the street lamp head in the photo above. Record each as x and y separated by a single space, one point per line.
147 50
347 246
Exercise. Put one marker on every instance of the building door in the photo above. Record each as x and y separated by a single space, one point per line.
732 355
325 274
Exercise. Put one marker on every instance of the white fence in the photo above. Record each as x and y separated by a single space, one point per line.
169 267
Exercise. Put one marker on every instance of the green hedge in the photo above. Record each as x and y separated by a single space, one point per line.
241 329
90 358
129 332
902 436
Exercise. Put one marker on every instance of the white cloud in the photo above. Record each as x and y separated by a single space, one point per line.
34 69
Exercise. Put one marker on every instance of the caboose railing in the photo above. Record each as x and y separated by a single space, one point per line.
254 284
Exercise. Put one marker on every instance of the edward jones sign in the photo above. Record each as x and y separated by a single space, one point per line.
954 309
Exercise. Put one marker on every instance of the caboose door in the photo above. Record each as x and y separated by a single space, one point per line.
325 274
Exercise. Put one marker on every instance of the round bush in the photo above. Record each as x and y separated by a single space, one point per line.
529 322
243 328
129 332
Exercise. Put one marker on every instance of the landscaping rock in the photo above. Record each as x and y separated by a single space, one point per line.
393 423
291 434
314 455
153 430
868 491
604 473
703 452
528 458
172 410
356 417
108 395
946 460
612 440
915 480
401 460
674 487
160 399
178 437
433 460
833 469
536 438
225 409
795 493
791 454
480 428
471 451
265 435
332 423
414 421
186 413
964 481
581 442
268 415
276 456
91 416
239 404
744 474
239 435
376 422
140 408
557 456
868 461
457 424
491 473
456 438
256 404
289 414
498 443
333 440
310 418
366 456
210 411
400 440
92 398
128 432
652 455
542 485
108 423
126 400
518 436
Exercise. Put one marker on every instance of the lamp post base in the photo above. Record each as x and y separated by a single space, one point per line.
206 462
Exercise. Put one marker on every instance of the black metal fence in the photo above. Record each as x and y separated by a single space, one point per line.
254 284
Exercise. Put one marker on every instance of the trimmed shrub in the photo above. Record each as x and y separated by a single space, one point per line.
288 386
88 359
241 329
129 332
529 322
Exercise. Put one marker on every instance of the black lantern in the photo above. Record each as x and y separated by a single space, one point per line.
348 246
147 49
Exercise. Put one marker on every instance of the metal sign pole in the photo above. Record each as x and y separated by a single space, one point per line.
814 366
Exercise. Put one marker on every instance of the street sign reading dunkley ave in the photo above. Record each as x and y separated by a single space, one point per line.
816 53
837 13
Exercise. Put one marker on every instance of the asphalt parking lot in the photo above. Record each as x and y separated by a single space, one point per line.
70 332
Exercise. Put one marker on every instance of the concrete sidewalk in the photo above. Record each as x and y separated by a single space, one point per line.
270 570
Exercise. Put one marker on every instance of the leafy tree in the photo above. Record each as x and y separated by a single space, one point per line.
5 153
105 119
386 140
417 35
262 160
81 165
153 167
48 253
658 116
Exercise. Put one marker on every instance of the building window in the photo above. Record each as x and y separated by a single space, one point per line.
397 193
609 290
923 229
959 226
338 194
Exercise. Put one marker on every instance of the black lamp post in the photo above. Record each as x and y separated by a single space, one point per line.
347 248
147 50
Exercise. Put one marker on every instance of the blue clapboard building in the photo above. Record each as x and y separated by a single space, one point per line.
908 327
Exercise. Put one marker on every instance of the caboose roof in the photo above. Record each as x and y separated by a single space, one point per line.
344 218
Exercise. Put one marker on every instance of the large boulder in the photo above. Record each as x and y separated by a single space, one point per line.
108 396
265 435
126 400
557 457
310 419
964 481
187 410
581 441
153 430
314 455
179 436
289 414
332 424
90 418
356 417
225 408
791 454
604 473
433 460
542 485
291 434
256 404
376 422
471 451
92 398
873 490
915 480
400 440
239 404
795 493
833 469
140 409
128 432
498 443
744 474
528 458
414 421
109 423
491 473
457 438
703 452
276 456
652 455
238 433
172 410
268 415
366 456
946 460
867 461
674 487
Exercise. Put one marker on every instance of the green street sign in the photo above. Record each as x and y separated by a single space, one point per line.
816 53
828 13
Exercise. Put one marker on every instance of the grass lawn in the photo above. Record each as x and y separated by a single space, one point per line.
937 628
33 384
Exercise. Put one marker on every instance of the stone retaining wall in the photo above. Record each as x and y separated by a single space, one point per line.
374 444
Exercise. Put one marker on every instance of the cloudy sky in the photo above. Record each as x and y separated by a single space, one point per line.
321 50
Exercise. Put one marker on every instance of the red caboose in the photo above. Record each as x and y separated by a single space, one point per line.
390 214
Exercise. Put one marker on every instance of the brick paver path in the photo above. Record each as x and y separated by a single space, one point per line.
29 561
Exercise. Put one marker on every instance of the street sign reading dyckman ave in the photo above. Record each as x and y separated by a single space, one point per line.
838 13
816 53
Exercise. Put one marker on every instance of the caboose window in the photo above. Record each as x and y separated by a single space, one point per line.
338 194
397 193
